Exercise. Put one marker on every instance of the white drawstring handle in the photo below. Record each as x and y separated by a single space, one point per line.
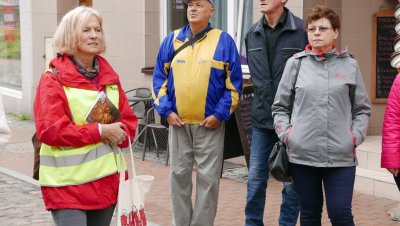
132 170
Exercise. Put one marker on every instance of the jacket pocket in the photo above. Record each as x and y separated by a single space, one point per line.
353 138
287 136
291 49
254 50
288 52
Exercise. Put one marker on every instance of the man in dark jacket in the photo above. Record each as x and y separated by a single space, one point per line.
269 44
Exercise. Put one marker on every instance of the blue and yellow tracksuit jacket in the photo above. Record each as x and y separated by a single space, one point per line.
204 79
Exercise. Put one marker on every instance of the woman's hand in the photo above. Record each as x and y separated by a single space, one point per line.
395 172
113 133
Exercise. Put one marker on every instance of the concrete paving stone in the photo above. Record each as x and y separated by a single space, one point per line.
19 148
18 157
17 209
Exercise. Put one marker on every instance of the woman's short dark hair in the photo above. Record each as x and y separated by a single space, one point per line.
319 12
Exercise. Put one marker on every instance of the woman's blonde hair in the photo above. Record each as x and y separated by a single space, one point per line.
66 37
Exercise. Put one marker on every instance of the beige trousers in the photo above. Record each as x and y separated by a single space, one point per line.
195 145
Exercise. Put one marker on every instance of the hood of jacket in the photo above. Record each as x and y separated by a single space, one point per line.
69 76
322 56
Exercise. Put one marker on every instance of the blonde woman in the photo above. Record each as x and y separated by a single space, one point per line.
78 172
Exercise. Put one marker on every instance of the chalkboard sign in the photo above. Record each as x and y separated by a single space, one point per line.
239 128
383 41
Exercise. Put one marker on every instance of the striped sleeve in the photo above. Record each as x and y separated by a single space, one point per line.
162 103
233 81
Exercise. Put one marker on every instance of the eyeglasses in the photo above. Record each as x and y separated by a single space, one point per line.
312 30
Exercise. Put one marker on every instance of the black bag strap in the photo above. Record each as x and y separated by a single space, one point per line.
55 73
191 41
294 86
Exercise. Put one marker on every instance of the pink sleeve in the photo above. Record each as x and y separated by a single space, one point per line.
391 128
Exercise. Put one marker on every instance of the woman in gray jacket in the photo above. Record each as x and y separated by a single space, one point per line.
328 120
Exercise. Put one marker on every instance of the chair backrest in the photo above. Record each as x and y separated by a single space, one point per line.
150 117
140 109
143 92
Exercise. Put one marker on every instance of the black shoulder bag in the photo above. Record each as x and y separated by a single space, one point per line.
278 159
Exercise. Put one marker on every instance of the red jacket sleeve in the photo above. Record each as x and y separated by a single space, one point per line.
391 129
128 118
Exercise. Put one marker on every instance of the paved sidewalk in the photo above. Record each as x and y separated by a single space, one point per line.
21 202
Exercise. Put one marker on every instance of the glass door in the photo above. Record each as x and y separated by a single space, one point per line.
173 16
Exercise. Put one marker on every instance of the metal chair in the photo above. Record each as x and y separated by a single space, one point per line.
153 127
140 92
139 100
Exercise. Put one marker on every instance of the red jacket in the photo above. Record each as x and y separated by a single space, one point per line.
55 128
391 129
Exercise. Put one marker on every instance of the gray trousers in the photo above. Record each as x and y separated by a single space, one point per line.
194 144
76 217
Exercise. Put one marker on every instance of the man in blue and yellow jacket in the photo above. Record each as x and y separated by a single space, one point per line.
197 91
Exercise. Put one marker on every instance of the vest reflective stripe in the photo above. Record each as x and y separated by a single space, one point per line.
75 160
65 151
73 175
61 166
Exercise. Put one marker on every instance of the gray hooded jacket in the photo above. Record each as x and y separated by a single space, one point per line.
331 109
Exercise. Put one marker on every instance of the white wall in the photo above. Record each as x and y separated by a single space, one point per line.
124 30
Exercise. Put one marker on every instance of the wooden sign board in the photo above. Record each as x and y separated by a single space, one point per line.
239 128
383 74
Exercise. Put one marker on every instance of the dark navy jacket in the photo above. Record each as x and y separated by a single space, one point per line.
292 39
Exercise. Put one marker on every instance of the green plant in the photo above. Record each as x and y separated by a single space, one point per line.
23 117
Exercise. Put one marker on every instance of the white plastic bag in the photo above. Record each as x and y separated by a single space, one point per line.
131 195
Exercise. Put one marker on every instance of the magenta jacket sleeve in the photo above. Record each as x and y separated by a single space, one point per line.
391 129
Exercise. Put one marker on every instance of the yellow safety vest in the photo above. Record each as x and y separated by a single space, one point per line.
63 166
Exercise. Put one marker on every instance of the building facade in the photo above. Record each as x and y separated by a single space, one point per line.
134 30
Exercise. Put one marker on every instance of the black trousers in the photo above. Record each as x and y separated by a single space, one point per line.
336 182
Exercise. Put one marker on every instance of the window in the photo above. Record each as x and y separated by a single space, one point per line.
10 45
220 17
247 21
175 16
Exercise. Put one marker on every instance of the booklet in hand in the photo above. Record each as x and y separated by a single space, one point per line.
103 110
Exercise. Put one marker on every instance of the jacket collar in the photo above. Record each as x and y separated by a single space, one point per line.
185 32
69 75
289 25
334 52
